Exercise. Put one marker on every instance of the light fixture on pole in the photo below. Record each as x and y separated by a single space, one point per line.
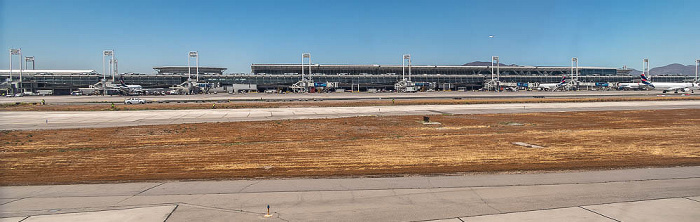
114 65
574 69
645 68
115 69
307 56
697 63
14 52
189 69
497 63
106 53
17 52
27 60
110 54
406 57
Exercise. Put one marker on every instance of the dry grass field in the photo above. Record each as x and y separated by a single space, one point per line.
362 146
312 103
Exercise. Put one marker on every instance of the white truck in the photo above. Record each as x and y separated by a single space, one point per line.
134 101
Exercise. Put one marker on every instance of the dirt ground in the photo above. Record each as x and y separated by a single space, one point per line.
311 103
361 146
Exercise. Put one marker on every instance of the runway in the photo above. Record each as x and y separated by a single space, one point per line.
29 120
330 96
656 194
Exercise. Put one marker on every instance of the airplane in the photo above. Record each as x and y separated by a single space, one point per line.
630 86
669 86
125 89
552 86
129 87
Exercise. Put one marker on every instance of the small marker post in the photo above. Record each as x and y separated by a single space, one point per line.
268 211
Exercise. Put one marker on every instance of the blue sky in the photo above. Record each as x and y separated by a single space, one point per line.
71 34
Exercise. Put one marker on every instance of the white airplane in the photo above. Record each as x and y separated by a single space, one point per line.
129 87
669 86
552 86
630 86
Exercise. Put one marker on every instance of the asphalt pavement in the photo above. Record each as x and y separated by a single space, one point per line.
333 96
30 120
647 194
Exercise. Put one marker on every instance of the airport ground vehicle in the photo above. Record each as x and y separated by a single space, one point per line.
134 101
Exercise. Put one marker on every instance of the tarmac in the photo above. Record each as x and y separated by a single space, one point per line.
645 194
332 96
31 120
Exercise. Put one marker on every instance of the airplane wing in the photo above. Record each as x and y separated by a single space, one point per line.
675 88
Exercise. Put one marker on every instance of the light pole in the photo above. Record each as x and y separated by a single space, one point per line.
574 71
574 68
110 54
27 60
106 53
20 68
697 63
115 69
189 68
303 56
495 61
645 68
406 57
114 61
17 52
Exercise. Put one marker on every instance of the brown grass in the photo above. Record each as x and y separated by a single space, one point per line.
352 147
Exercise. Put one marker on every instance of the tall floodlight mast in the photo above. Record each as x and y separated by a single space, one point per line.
307 56
574 68
645 68
116 66
27 60
495 61
17 52
105 54
697 63
406 57
189 68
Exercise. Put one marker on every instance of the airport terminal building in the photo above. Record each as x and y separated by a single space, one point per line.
362 77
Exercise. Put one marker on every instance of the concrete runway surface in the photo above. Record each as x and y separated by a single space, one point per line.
332 96
29 120
646 194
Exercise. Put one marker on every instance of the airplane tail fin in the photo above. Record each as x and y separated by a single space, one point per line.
645 80
563 80
121 80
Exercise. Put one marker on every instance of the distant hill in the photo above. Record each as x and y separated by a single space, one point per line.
479 63
670 69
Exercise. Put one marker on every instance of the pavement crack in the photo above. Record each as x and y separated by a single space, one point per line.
279 216
171 213
220 209
157 185
482 200
599 214
249 185
15 200
691 199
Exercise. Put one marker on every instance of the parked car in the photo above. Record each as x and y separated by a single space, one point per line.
134 101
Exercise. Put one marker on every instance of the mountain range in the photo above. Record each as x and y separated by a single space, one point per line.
670 69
